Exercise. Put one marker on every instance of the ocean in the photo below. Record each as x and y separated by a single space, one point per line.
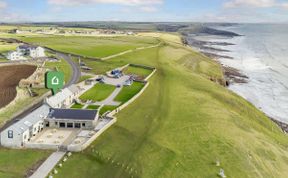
262 54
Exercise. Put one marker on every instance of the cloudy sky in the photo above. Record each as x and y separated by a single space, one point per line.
144 10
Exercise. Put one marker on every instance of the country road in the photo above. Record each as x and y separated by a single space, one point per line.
76 72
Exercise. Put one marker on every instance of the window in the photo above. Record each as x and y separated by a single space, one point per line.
77 125
56 123
10 133
47 124
62 124
83 124
69 125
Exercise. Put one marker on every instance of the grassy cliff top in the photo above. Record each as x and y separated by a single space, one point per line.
181 125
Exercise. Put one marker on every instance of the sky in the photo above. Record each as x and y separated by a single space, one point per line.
251 11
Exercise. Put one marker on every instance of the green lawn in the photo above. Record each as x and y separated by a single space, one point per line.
92 107
127 92
92 46
181 125
63 66
106 108
77 106
15 163
139 71
98 93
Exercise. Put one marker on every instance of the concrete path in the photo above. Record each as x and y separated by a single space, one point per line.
48 165
110 100
130 51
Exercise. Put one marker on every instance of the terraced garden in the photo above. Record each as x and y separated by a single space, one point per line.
98 93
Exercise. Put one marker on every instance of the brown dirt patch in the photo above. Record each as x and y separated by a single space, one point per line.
10 76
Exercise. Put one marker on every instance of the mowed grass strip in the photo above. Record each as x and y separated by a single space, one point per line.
139 71
98 92
127 92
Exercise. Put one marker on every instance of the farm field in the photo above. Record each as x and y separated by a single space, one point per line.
92 46
98 93
181 125
10 77
127 92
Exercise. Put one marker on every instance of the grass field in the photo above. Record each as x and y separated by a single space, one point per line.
139 71
181 125
92 46
127 92
63 66
15 163
98 93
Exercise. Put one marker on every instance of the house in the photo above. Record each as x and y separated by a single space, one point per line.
32 51
14 55
72 118
22 131
64 98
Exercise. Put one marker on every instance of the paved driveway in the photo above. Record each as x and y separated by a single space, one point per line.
48 165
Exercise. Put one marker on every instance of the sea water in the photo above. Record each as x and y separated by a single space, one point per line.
262 54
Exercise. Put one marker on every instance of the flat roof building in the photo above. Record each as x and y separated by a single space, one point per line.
72 118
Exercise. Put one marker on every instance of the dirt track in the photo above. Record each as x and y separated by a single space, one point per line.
9 79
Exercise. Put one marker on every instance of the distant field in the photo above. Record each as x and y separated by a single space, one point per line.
92 46
98 93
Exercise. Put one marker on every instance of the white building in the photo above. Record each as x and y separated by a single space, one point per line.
14 55
21 132
37 52
64 98
32 51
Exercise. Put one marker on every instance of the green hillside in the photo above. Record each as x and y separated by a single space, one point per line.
181 125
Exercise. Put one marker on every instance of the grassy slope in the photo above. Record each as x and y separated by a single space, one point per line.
98 93
181 124
92 46
63 66
15 163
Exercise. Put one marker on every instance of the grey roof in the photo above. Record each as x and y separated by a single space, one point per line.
73 114
26 47
31 119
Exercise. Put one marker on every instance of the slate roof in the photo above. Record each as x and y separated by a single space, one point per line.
31 119
72 114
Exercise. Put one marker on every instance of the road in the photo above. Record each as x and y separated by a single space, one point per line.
76 71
